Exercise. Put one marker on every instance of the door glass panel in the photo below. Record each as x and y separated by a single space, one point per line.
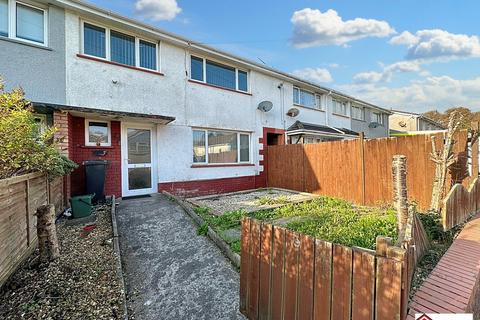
139 147
139 178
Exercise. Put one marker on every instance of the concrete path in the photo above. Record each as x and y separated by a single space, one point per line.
170 271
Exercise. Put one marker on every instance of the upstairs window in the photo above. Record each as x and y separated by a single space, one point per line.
122 48
377 117
94 41
218 74
23 22
30 23
339 107
358 113
4 18
118 47
306 98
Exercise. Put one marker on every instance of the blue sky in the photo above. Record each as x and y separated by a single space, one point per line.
411 55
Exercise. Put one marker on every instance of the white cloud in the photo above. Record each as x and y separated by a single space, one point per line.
318 75
438 44
312 28
422 95
387 73
157 9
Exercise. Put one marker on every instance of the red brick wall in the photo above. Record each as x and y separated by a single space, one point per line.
113 179
206 187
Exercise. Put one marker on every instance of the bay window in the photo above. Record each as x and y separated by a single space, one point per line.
23 22
307 99
218 74
220 147
118 47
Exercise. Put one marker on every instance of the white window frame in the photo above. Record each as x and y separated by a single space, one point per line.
108 56
344 105
362 110
43 121
93 144
238 133
204 59
12 22
317 97
379 116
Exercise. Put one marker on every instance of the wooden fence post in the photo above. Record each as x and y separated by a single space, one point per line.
27 208
362 159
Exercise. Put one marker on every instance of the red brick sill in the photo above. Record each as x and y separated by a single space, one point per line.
119 64
218 87
222 165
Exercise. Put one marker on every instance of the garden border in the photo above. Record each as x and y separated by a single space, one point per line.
116 249
219 242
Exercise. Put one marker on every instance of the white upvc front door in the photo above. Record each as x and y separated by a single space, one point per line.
139 174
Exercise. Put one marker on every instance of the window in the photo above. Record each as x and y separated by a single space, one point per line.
218 74
23 22
30 23
377 117
122 48
358 113
148 55
119 47
41 122
94 41
97 133
220 147
306 98
339 107
4 18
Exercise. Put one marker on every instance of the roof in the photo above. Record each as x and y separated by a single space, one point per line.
419 115
79 5
106 113
302 126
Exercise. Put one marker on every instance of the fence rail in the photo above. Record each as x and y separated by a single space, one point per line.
286 275
19 198
360 170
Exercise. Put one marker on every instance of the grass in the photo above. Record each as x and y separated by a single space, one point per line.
326 218
269 200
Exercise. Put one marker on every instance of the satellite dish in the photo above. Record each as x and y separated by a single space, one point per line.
374 125
265 106
293 112
402 124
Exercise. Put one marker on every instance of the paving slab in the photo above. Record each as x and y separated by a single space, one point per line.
170 271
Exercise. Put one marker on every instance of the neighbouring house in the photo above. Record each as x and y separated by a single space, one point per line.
402 121
165 112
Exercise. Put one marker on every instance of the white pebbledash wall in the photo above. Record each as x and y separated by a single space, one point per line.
104 86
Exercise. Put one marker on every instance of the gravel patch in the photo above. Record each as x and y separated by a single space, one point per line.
81 284
250 201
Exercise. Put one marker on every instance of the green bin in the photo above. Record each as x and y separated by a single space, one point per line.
81 206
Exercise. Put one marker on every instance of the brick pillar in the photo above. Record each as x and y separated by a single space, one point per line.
63 122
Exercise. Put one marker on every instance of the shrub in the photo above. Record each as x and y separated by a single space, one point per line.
23 148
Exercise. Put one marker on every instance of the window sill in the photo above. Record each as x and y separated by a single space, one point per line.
340 115
25 43
119 64
218 87
310 108
359 120
222 165
96 147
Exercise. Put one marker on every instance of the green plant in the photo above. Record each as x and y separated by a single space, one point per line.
23 148
269 200
203 229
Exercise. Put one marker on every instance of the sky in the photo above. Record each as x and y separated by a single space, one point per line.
410 55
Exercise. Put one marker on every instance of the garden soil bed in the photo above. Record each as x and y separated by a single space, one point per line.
81 284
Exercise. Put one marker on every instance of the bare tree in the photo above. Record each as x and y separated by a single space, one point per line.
443 159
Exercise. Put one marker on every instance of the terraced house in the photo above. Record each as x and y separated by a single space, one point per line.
167 113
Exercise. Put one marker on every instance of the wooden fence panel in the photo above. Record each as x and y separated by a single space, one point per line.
342 168
19 199
285 275
460 204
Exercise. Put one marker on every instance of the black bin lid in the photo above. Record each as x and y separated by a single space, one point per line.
95 162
